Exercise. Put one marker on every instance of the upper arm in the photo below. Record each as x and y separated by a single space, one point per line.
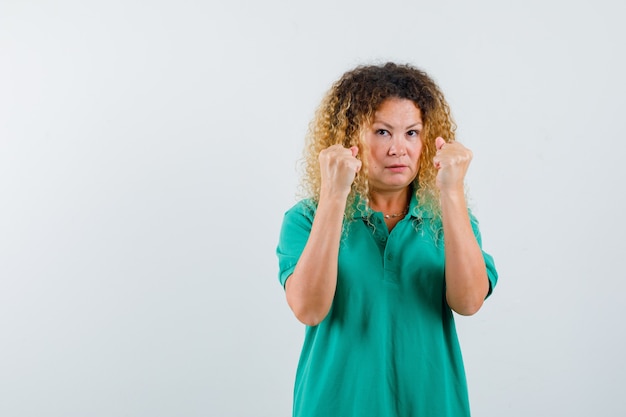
492 273
294 235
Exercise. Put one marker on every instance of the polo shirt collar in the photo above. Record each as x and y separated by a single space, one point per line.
415 210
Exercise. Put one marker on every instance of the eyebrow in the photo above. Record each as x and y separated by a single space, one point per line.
388 126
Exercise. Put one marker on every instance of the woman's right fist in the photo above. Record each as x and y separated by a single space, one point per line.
338 168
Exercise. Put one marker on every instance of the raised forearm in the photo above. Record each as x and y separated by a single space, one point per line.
466 275
311 287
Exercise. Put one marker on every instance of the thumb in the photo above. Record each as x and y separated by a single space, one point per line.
439 142
355 150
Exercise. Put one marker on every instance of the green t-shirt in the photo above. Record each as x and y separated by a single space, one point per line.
388 346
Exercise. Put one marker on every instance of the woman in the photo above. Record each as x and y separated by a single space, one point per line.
383 250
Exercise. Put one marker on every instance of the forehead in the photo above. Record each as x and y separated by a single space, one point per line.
399 109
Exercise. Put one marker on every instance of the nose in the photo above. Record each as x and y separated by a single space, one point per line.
396 147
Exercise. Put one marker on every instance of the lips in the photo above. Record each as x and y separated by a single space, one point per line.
397 167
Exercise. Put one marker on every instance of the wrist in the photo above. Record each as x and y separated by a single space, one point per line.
453 192
334 194
452 198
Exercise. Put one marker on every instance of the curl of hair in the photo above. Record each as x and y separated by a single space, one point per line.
348 109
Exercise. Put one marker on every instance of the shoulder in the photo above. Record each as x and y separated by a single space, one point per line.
300 215
296 227
305 207
473 220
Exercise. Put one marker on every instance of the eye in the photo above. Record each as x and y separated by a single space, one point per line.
413 134
382 132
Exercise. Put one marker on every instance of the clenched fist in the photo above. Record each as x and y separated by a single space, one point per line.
338 166
452 161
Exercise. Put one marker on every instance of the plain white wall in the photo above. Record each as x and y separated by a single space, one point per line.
148 151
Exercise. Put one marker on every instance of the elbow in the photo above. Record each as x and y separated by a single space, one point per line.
309 319
467 310
465 307
309 316
309 307
468 300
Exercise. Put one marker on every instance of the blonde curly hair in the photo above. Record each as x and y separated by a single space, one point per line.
348 109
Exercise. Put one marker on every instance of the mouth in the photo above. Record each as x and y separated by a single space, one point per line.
397 167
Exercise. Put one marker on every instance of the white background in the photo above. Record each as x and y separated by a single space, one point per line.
148 151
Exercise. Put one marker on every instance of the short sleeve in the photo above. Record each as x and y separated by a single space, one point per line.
492 274
294 235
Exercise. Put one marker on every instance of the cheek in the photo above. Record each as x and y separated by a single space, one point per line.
416 152
373 157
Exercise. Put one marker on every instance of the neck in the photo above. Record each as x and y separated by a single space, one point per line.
390 203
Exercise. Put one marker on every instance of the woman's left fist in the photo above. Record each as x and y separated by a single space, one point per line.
452 161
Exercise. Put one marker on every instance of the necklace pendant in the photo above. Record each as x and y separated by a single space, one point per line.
393 216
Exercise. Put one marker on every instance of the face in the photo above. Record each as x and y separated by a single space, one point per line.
395 144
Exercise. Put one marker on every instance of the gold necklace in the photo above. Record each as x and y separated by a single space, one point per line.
394 215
